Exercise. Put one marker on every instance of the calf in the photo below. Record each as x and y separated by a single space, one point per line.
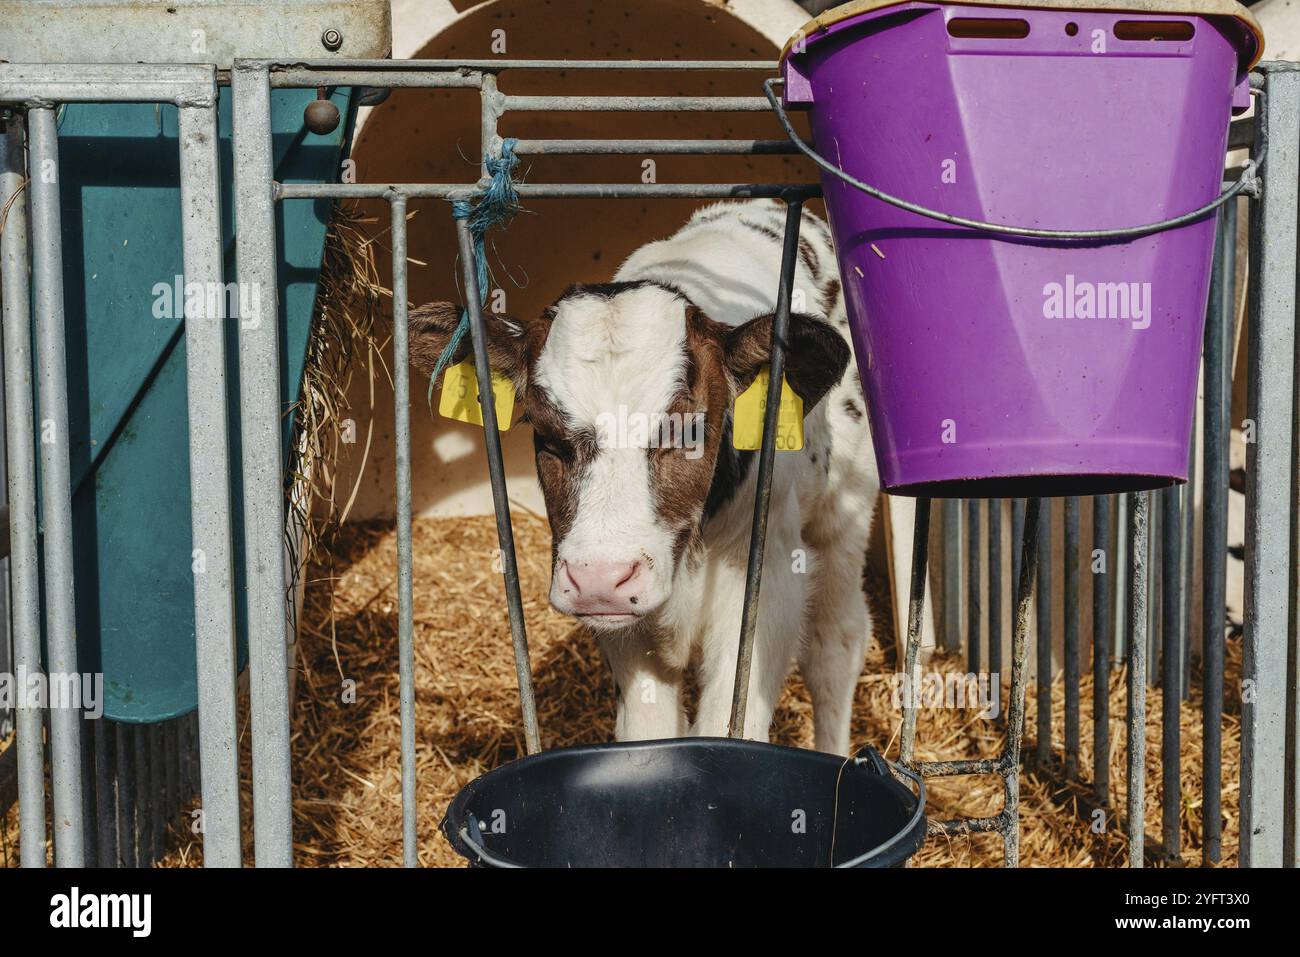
650 532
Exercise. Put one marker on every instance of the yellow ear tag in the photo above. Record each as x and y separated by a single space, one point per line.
460 395
751 407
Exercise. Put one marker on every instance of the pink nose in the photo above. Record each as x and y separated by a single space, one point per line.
603 588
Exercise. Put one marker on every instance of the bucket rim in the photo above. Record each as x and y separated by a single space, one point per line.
1196 8
907 840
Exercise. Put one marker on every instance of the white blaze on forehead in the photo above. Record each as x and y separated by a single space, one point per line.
616 355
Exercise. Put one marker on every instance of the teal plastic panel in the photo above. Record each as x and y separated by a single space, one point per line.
126 378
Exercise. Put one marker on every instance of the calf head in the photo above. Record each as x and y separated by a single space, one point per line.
628 388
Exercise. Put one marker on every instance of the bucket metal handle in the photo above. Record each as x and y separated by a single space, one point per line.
1248 183
876 760
482 853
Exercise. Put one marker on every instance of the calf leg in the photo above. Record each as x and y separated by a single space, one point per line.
648 690
838 633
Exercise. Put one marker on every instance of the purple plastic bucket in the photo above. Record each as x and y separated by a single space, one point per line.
1003 366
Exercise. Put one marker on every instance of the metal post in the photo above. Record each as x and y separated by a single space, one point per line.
1214 526
205 361
1101 650
405 574
995 590
766 461
1043 610
1019 678
950 516
1119 630
973 586
1071 650
56 489
20 446
263 485
1171 665
124 754
915 611
140 806
105 803
497 477
1268 575
1137 684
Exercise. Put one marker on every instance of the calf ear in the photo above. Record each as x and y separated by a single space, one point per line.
815 355
431 327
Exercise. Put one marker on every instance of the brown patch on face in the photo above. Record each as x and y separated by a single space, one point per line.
562 455
681 476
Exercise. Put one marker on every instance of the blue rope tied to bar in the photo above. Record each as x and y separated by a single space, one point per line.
493 206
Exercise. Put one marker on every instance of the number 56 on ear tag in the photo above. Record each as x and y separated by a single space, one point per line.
460 395
751 407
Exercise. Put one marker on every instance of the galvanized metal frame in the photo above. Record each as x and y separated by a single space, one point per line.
1270 546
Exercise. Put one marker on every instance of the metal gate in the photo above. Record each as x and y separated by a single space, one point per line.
32 93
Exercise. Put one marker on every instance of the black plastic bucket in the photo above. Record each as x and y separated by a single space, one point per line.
688 802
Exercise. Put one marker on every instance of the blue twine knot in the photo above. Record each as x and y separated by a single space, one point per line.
494 205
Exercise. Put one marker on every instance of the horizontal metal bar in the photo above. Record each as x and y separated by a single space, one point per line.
945 769
666 147
635 104
971 825
454 191
413 79
496 66
45 84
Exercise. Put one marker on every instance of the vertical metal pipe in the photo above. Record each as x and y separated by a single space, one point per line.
56 489
915 613
1043 610
950 517
1214 526
171 758
1171 679
1017 543
20 446
1019 678
973 586
766 461
1155 586
263 484
124 753
1137 684
405 596
1100 567
1071 650
140 806
89 796
157 793
1119 630
1269 394
209 448
995 589
105 800
497 478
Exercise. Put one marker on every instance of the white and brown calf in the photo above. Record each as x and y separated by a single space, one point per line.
650 538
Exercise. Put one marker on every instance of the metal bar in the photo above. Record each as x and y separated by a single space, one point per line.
1017 534
950 523
461 191
140 806
635 104
157 796
89 797
579 147
209 461
915 612
56 489
105 803
263 488
995 591
1214 526
42 85
381 67
1101 648
1019 678
171 757
1137 685
341 75
405 597
20 447
1043 637
1271 351
1171 679
1155 585
124 775
1071 650
973 589
963 766
766 462
497 477
1119 631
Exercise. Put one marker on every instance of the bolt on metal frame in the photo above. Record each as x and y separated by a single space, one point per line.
38 89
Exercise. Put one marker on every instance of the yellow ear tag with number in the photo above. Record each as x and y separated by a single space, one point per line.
460 395
751 408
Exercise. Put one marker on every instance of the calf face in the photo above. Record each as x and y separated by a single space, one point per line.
628 388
